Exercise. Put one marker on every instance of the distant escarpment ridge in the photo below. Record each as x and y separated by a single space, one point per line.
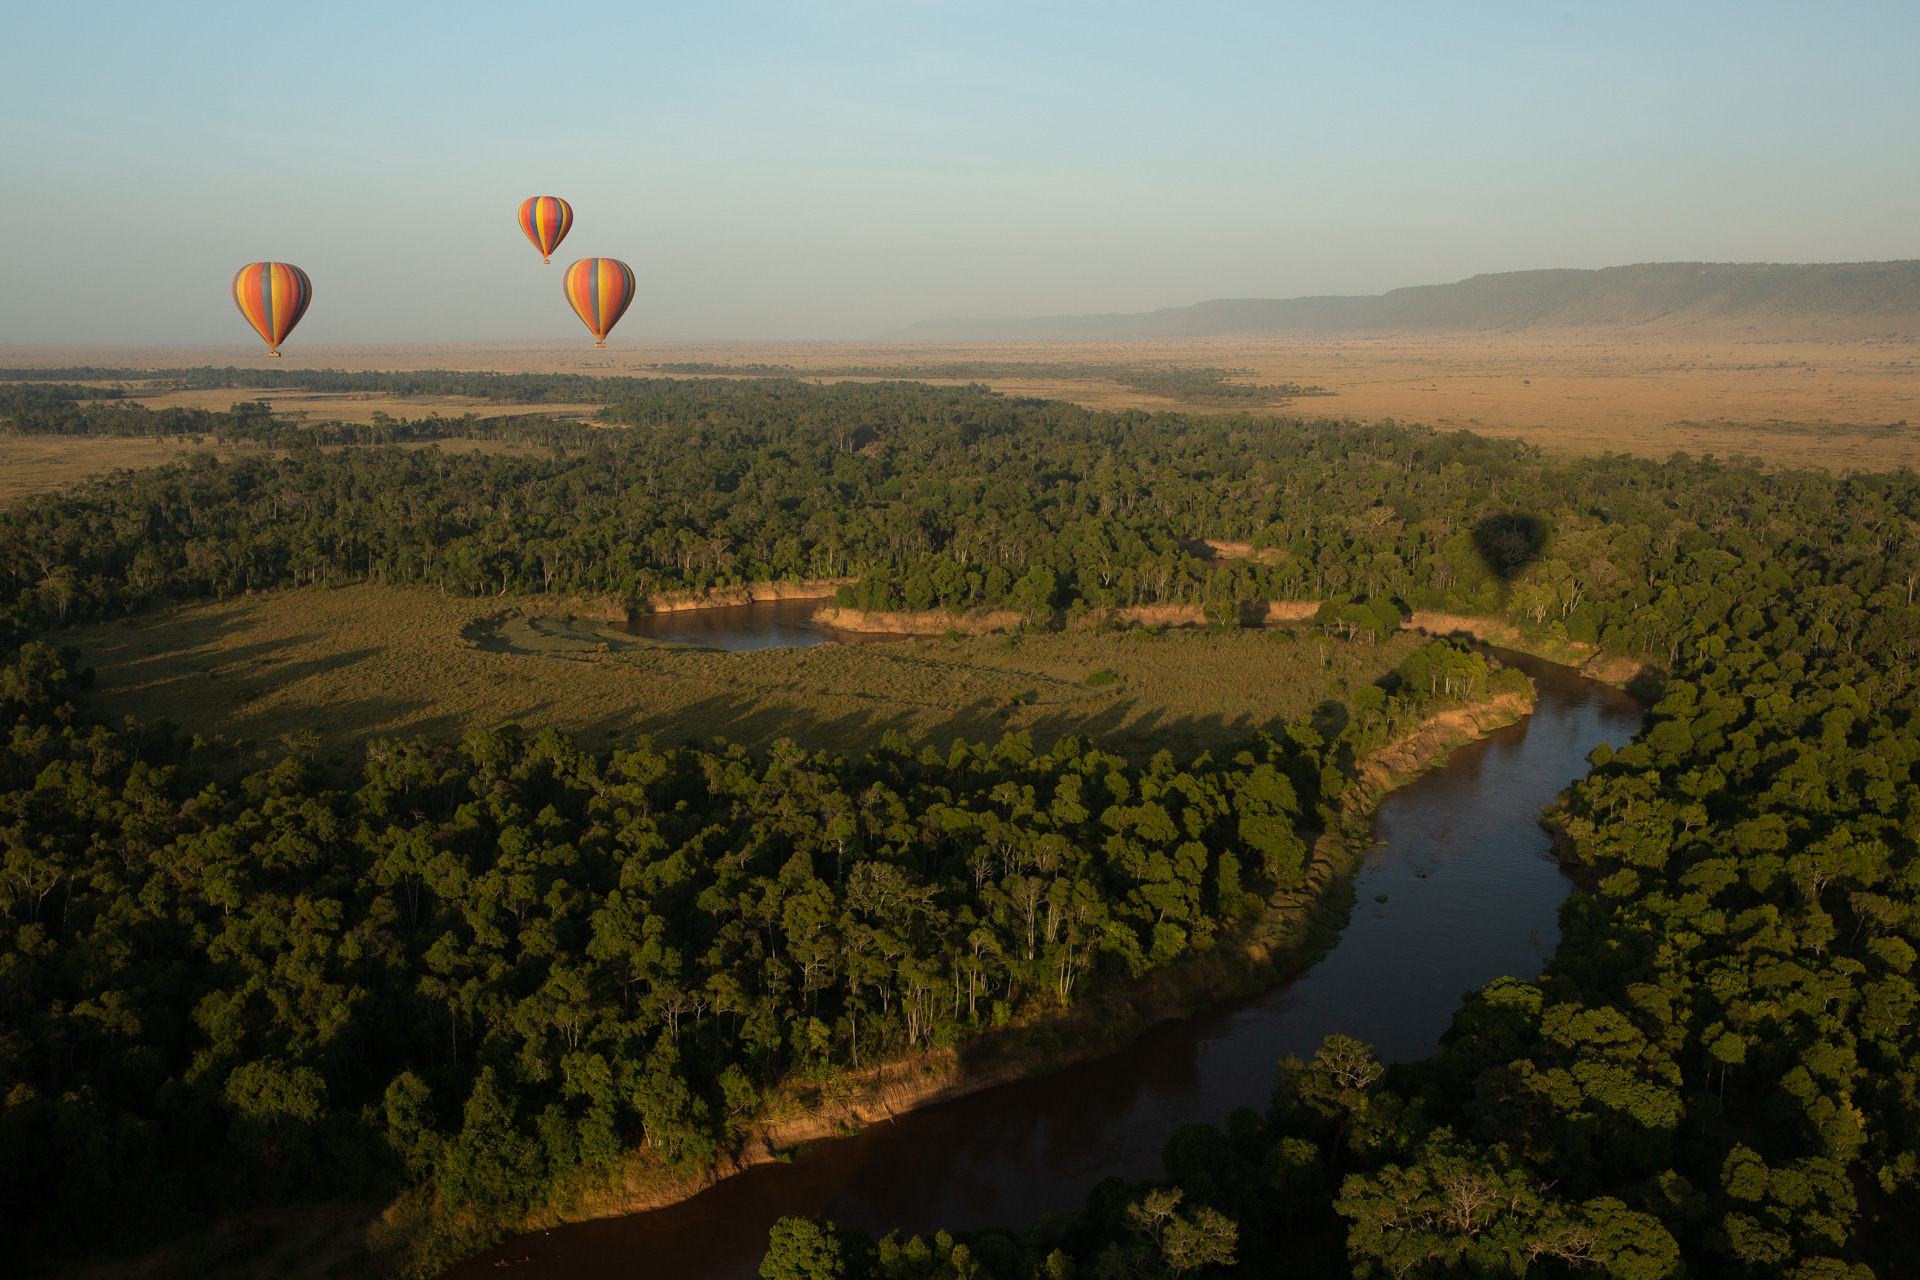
1650 293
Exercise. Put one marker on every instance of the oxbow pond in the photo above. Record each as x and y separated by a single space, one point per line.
771 624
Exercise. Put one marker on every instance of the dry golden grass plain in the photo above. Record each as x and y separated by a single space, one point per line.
37 464
1798 393
351 406
358 663
328 406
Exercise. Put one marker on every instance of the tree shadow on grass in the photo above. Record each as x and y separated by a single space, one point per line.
1125 728
930 704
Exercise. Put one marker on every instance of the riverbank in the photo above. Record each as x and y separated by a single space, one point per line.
1285 935
1589 660
617 609
750 593
933 622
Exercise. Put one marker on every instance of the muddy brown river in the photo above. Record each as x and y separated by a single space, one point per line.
1471 893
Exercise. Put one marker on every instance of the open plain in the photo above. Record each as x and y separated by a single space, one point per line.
1797 393
354 664
41 464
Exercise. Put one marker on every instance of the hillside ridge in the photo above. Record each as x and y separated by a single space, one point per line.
1643 293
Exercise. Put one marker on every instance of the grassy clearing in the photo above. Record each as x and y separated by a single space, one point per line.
328 406
358 663
1791 393
37 464
40 464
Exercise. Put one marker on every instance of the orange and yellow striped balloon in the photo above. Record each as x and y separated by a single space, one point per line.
600 290
272 296
546 220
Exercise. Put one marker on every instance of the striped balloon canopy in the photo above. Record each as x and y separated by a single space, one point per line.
546 220
600 290
272 296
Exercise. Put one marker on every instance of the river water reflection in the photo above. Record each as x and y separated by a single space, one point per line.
769 624
1471 894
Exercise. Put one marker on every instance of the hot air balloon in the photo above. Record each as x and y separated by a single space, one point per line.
546 220
272 296
600 290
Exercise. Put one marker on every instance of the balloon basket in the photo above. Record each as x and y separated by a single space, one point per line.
599 344
274 354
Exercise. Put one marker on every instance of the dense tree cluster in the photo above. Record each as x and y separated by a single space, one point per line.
955 498
493 964
1186 384
1716 1075
59 411
36 399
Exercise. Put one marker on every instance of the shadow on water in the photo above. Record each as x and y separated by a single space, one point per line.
1472 893
740 628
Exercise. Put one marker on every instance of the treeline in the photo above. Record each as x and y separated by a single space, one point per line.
730 369
1718 1073
63 411
496 966
1211 386
506 388
952 498
78 373
38 396
1183 383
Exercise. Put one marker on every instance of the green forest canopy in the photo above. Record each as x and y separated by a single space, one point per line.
1715 1073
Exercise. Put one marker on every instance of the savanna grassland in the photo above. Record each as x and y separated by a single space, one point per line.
1790 393
356 663
40 464
1851 400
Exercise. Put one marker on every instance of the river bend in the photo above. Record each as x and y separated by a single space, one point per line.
1462 889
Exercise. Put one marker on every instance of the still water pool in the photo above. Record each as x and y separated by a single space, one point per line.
771 624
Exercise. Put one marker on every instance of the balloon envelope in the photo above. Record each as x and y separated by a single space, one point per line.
272 296
600 290
546 220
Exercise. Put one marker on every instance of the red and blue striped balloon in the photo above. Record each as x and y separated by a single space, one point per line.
600 289
272 296
546 220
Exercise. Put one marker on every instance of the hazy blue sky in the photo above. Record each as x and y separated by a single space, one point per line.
827 170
